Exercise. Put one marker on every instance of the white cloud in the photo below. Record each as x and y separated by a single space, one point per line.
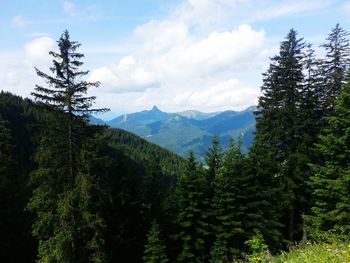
204 54
69 8
159 36
36 52
17 74
128 75
180 56
288 8
19 22
219 51
87 12
218 97
160 60
346 7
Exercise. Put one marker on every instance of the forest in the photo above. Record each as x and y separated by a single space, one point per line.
75 192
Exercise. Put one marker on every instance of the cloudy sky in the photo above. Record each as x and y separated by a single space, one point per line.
206 55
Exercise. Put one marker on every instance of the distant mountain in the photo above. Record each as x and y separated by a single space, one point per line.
143 117
197 115
96 121
189 130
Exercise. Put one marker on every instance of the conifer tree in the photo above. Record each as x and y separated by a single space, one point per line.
331 178
335 66
152 192
311 121
192 215
228 205
274 151
68 225
154 249
68 91
213 159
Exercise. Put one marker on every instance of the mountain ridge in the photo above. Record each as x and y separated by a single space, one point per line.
188 130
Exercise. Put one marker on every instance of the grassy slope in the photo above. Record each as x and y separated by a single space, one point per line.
337 252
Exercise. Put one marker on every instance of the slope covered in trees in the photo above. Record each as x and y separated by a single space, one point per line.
74 192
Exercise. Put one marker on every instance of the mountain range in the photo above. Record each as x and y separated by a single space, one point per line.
188 130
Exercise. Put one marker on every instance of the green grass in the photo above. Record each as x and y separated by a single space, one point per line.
337 252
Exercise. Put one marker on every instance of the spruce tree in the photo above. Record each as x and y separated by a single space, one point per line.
228 205
68 91
331 177
274 152
311 121
152 191
154 249
192 216
68 225
213 159
334 66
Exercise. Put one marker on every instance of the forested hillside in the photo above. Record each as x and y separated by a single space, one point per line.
75 192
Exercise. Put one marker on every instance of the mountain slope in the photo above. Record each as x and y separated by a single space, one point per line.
189 130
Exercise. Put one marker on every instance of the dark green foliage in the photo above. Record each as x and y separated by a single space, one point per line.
68 93
144 152
213 159
276 138
152 191
96 190
69 90
12 235
15 146
192 215
122 169
68 225
7 164
154 249
331 178
228 206
334 66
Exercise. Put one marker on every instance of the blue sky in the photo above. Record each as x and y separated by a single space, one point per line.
181 54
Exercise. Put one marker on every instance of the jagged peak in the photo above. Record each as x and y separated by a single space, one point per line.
155 108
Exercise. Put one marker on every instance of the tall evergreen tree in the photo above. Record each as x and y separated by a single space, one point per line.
335 66
213 159
192 215
276 139
68 91
152 191
228 205
68 225
311 121
331 178
154 249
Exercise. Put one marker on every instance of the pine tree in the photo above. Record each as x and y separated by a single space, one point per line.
68 225
332 173
154 249
228 205
335 66
274 151
192 215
